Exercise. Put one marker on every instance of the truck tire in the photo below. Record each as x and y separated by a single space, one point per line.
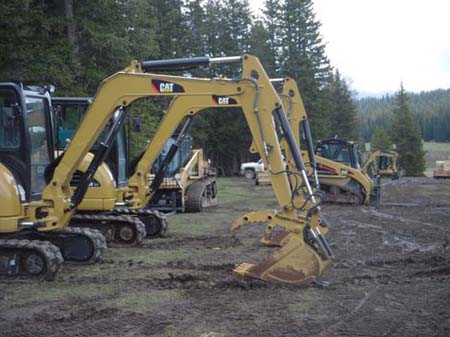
249 174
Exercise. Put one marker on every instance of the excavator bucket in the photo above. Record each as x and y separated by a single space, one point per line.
296 262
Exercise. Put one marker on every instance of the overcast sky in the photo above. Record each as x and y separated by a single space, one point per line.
379 43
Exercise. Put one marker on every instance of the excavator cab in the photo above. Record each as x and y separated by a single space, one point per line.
68 113
26 136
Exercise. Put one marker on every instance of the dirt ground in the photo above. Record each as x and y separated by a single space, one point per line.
391 277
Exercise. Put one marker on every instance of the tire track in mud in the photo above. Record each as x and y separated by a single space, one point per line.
122 325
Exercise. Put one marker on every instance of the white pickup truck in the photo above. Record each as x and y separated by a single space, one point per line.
249 170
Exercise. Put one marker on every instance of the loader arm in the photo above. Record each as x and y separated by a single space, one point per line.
195 163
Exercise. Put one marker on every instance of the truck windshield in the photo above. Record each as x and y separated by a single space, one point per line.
10 122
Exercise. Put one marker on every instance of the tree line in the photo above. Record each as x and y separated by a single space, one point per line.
431 110
76 44
403 134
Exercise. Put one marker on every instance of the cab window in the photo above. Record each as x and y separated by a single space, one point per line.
10 122
40 156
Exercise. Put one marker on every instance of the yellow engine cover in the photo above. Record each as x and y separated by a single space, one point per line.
102 195
11 209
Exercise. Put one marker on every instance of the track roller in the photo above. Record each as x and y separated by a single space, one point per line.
29 259
121 229
155 222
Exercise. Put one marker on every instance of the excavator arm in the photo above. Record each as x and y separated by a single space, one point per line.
311 256
305 252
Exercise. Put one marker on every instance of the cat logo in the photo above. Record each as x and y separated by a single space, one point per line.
223 100
166 87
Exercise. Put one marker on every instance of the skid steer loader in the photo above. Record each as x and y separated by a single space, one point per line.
340 173
305 251
382 163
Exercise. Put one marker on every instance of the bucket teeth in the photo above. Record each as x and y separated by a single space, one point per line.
296 263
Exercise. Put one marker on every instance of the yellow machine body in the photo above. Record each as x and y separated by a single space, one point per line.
382 163
101 194
12 209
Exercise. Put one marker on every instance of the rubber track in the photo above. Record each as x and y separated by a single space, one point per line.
96 238
95 220
193 196
143 213
51 253
345 197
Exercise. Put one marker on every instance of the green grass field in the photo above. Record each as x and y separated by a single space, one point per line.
434 152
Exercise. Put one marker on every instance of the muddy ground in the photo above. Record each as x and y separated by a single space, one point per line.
391 277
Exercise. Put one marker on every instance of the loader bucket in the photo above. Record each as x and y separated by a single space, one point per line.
296 263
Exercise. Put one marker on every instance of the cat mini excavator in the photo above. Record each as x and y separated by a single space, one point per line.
342 182
382 163
33 239
189 184
100 208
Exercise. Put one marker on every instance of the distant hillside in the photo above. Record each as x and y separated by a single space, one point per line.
431 108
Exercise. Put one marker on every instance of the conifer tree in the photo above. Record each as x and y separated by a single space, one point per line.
380 140
343 121
405 133
299 50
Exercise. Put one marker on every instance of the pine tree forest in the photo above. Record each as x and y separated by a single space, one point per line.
76 44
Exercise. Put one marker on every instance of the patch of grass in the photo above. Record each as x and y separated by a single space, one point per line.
434 152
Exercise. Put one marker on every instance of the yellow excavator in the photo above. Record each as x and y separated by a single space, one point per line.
33 239
305 251
100 208
382 163
342 181
189 184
